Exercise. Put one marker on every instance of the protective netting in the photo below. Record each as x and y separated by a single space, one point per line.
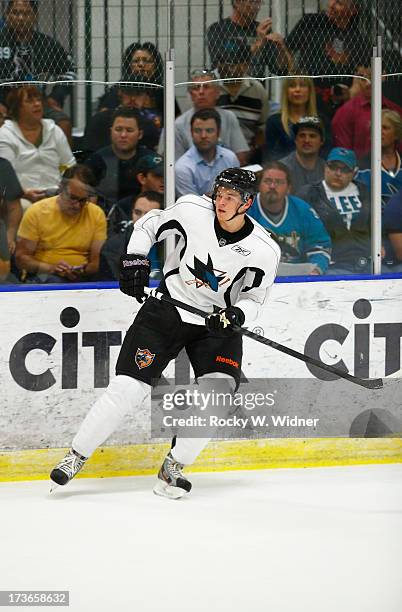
102 42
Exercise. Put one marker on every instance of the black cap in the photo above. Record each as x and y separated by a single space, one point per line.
312 123
150 163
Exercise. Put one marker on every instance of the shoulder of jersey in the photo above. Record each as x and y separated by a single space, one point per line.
264 236
191 202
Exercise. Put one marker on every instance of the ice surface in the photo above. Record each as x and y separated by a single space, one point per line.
316 540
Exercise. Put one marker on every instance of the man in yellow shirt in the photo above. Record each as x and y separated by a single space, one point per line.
60 238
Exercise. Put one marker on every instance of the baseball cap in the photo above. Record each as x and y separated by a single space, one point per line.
312 123
346 156
150 163
233 51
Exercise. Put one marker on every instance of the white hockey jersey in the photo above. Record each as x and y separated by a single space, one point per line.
209 266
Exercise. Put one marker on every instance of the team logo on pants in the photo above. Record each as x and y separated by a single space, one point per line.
144 358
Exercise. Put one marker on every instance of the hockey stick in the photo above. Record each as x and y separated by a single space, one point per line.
374 383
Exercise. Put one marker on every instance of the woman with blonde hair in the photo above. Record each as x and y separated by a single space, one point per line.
391 171
298 100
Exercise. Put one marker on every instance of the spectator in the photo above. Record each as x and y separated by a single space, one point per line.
28 55
246 97
10 217
60 238
116 245
131 94
197 169
267 48
51 111
392 228
37 148
205 95
305 164
351 125
144 60
298 100
3 113
392 64
330 43
114 166
149 175
11 193
391 171
344 208
295 225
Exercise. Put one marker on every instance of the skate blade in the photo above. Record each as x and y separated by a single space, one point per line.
164 490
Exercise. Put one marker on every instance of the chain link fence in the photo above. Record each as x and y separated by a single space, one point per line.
104 41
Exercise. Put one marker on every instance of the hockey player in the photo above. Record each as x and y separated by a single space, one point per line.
224 263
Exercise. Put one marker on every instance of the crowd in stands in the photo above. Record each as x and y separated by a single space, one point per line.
67 217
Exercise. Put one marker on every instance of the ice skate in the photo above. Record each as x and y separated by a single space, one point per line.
66 469
171 481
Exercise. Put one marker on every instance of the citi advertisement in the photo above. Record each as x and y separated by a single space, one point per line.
59 349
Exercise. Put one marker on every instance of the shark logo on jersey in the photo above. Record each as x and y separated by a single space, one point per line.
205 275
144 358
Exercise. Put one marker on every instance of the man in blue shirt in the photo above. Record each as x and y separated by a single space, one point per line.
295 225
197 169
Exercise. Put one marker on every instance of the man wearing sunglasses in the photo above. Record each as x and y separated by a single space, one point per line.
60 238
344 207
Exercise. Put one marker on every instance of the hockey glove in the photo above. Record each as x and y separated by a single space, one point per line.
221 323
134 275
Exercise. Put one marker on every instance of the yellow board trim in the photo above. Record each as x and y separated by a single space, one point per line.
145 459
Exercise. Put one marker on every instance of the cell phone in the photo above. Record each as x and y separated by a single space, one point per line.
77 267
51 191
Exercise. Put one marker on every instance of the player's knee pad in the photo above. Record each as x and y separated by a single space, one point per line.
218 390
127 393
123 394
211 385
218 380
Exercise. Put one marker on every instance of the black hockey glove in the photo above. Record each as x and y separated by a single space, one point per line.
221 323
134 275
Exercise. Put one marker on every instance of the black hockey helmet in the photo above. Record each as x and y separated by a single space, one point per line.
243 181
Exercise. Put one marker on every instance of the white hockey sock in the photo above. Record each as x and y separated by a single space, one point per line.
186 450
124 393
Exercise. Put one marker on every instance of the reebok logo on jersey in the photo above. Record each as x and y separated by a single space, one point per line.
144 358
238 249
227 360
